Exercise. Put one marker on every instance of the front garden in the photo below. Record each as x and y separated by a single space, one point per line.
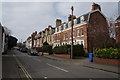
107 53
107 56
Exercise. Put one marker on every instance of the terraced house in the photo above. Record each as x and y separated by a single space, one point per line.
90 29
38 39
29 43
117 24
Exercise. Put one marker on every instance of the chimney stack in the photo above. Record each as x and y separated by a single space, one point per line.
70 17
58 22
96 6
35 32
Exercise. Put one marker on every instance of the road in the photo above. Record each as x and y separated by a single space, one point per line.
22 66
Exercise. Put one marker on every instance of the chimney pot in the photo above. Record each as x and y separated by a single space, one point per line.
96 6
58 22
70 17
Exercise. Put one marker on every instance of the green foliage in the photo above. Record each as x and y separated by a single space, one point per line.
62 49
45 48
45 43
86 54
12 41
108 53
78 50
66 49
39 49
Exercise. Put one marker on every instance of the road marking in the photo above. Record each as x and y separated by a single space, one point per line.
23 69
45 77
57 67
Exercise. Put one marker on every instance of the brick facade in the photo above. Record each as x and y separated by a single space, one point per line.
90 29
117 24
98 33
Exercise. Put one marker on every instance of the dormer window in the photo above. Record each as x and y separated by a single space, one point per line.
57 29
78 20
82 18
61 27
69 24
75 21
66 25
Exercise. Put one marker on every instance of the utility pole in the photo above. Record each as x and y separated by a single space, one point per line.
72 34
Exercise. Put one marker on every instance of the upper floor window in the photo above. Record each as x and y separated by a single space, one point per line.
66 36
55 37
78 32
82 31
72 33
58 36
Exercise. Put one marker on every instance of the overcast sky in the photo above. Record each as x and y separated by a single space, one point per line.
23 18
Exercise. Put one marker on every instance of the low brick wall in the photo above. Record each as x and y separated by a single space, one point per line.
107 61
62 55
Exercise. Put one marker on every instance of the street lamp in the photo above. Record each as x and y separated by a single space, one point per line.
71 56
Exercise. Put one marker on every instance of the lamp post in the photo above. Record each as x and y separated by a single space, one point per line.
71 56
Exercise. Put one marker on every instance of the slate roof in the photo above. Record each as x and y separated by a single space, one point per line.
118 18
85 17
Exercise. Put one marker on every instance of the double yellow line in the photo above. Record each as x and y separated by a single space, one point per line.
23 69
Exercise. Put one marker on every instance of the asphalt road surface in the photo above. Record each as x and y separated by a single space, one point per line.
18 65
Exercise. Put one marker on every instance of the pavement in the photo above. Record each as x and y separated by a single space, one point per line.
84 61
10 67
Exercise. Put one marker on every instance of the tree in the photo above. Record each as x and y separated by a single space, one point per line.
45 43
7 31
12 41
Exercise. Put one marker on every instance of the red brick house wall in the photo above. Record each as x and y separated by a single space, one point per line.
98 33
117 33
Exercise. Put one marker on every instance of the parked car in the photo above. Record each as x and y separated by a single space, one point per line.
32 52
24 50
16 48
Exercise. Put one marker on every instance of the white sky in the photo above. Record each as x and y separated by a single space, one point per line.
23 18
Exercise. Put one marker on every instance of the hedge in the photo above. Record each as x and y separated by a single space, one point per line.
62 49
66 49
45 48
78 50
107 53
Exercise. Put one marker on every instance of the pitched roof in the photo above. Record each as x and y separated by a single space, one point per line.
86 16
118 18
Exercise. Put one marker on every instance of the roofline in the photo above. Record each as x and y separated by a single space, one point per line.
97 10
